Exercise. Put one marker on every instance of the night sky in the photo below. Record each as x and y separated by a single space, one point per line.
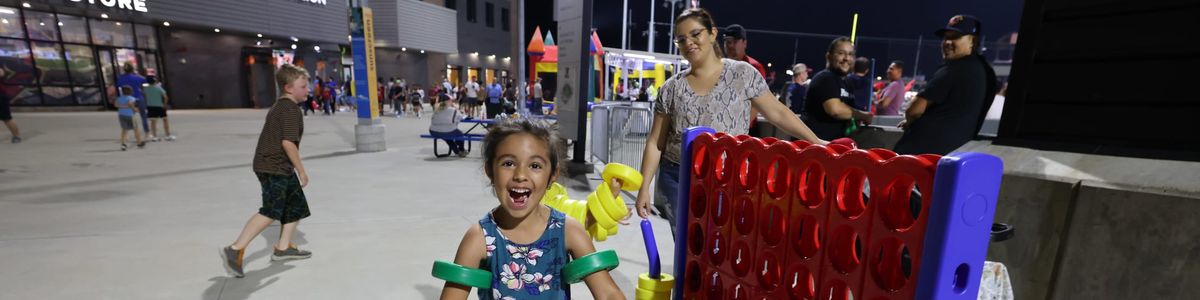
883 19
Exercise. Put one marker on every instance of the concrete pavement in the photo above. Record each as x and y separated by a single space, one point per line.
81 219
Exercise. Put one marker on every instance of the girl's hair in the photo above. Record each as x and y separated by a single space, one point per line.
504 129
701 15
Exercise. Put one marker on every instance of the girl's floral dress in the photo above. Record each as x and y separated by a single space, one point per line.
526 271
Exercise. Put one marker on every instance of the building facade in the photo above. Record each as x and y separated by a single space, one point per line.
212 53
424 41
223 53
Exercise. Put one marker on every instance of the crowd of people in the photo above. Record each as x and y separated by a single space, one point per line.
472 99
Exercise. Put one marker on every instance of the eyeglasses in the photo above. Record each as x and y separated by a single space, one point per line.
694 36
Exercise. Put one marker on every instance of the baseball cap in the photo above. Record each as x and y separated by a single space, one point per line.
799 68
735 31
964 24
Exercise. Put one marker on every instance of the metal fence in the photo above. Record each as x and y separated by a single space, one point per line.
619 132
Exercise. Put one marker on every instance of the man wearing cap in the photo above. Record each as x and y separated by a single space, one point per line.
950 111
735 49
795 90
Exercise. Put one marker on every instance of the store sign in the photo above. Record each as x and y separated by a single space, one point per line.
134 5
321 2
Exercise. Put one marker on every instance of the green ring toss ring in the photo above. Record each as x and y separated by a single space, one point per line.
585 265
455 273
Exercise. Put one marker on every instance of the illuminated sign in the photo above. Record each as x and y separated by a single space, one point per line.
134 5
321 2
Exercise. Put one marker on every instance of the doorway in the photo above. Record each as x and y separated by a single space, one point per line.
258 73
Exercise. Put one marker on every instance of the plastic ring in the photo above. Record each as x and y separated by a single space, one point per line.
568 208
598 233
642 294
555 203
579 210
664 284
615 207
455 273
630 179
600 215
555 190
586 265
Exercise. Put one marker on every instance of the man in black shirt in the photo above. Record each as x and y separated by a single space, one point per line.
825 106
950 111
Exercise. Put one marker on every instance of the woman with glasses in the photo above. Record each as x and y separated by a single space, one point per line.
714 92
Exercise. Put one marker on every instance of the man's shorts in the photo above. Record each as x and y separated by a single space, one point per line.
5 110
156 112
126 122
472 101
282 198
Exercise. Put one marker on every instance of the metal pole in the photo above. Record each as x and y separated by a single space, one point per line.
671 46
650 40
795 49
625 26
917 62
522 92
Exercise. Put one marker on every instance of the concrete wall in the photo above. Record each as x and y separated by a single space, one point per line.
1097 227
409 65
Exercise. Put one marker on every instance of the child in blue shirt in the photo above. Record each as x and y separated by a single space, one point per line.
524 243
126 106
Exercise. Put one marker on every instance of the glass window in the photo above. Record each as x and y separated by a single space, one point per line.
504 19
24 95
82 63
146 37
14 59
472 7
127 56
112 33
88 95
41 25
10 25
490 10
106 66
57 95
150 63
74 29
49 60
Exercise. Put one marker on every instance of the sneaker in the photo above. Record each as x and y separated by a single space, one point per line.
123 147
233 261
290 254
464 153
141 145
16 140
171 138
152 138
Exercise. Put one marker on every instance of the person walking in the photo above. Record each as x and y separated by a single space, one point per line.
156 102
6 109
280 173
135 81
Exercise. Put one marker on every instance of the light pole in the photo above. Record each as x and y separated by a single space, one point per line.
650 39
671 46
625 25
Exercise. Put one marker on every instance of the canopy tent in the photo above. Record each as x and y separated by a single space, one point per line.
632 64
